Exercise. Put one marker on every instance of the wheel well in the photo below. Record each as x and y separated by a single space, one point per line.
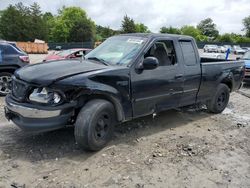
82 100
9 70
228 82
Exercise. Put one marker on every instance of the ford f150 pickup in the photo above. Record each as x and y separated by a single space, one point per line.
126 77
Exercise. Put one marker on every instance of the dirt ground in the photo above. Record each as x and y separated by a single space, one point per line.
179 148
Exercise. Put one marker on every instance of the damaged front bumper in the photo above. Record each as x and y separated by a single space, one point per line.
34 118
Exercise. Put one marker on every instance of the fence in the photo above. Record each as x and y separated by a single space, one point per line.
33 48
53 46
30 47
64 46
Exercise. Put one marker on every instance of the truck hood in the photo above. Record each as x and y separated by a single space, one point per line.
47 73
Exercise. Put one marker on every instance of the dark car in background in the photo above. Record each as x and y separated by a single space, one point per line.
68 54
11 59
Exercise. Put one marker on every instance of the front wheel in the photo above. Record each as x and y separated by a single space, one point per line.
5 83
94 126
220 100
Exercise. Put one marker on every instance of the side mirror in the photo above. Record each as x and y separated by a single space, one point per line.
149 63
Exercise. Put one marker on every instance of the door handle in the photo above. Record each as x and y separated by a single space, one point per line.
179 76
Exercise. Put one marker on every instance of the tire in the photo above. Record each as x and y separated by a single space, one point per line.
94 126
5 83
220 100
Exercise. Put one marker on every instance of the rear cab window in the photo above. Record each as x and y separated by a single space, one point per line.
188 52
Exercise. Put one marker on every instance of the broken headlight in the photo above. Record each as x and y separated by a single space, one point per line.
45 96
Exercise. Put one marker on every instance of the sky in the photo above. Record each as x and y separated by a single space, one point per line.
227 14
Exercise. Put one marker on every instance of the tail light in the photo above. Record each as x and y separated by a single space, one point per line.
24 58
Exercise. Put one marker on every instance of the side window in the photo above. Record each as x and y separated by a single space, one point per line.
164 51
188 53
10 50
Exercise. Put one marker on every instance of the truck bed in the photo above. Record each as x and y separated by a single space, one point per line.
212 60
214 71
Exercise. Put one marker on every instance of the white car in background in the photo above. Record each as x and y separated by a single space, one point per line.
214 55
246 48
210 48
228 47
222 49
238 50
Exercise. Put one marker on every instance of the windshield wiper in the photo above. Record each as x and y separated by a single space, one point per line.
98 60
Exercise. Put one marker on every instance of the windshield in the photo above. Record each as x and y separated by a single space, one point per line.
247 55
118 50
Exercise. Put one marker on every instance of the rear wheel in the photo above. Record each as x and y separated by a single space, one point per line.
94 126
220 100
5 83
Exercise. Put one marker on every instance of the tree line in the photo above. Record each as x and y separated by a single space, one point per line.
72 24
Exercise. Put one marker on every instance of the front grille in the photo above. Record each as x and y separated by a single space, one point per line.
19 89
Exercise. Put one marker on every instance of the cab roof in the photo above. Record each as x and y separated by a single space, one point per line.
157 35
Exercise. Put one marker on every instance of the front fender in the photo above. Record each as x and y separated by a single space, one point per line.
97 90
113 86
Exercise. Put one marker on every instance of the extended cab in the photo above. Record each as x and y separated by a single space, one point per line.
126 77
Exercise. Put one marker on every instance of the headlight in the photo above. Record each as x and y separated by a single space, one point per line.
46 96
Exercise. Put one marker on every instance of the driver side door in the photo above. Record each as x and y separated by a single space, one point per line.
161 88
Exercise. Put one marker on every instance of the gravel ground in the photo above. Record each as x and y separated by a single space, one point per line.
179 148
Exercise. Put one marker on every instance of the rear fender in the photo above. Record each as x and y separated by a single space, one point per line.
227 78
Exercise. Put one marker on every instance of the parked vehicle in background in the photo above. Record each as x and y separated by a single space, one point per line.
228 47
246 58
210 48
237 50
68 54
246 48
58 48
222 49
214 55
126 77
11 59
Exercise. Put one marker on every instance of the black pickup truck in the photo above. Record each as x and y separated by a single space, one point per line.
126 77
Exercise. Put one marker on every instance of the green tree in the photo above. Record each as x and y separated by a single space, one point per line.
37 25
12 24
170 30
128 25
141 28
225 38
49 21
208 28
72 24
246 23
190 31
22 23
104 32
82 30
